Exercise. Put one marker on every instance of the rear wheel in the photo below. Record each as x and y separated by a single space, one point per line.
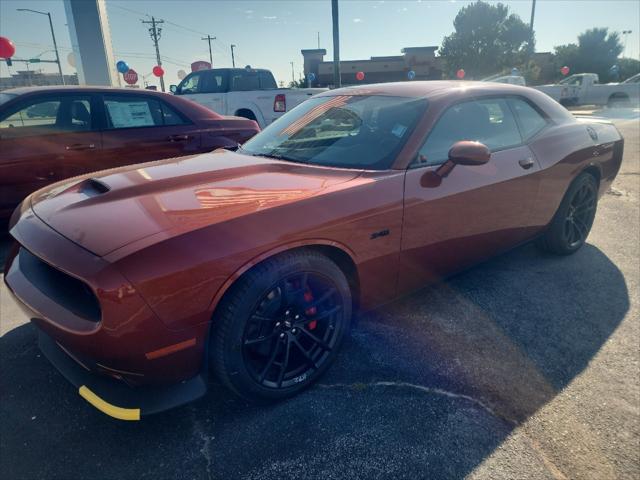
618 100
281 326
572 222
246 114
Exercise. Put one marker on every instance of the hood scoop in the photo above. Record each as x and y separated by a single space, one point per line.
92 187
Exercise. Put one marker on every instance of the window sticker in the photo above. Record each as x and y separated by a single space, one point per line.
398 130
129 114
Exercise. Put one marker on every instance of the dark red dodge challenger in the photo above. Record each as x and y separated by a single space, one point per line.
250 264
48 134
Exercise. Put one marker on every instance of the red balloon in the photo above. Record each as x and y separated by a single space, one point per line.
360 76
460 74
7 48
565 70
158 71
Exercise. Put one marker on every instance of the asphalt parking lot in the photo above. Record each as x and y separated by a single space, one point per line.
525 367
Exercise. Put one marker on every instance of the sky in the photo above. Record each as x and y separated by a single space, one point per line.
270 34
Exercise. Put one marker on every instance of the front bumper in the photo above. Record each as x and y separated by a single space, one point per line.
127 363
113 397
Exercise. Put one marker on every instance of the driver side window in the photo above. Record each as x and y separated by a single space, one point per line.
489 121
191 84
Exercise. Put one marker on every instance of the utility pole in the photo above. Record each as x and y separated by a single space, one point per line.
293 75
318 40
53 36
208 38
624 35
155 33
337 82
233 58
533 14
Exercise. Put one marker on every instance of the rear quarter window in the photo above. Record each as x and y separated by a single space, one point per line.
531 121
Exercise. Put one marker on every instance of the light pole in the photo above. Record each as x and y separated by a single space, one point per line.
53 35
293 75
624 48
233 58
337 80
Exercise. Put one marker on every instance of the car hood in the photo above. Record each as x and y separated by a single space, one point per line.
105 211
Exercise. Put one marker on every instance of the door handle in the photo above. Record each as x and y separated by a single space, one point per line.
526 163
178 138
81 146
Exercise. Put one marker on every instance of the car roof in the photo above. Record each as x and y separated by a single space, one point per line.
428 89
79 89
192 109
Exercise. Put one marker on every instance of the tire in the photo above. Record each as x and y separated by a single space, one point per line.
270 316
572 222
248 114
618 101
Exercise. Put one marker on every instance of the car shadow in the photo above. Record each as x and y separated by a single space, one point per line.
426 387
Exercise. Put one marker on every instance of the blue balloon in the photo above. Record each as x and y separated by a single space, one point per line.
411 74
122 66
312 76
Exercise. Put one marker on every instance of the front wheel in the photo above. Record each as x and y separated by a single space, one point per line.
281 326
572 222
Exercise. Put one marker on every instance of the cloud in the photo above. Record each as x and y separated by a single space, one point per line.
357 20
268 17
248 12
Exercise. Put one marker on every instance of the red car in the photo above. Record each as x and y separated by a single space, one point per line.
49 134
251 263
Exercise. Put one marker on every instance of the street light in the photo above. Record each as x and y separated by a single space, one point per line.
53 35
624 35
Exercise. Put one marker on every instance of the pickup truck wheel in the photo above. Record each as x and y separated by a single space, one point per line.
246 114
618 101
281 326
572 222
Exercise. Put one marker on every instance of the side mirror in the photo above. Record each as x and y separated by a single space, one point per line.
462 153
469 153
173 88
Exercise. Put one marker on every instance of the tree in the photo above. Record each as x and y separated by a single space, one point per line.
597 51
486 40
300 83
628 67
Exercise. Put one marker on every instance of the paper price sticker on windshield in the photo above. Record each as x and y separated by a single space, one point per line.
398 130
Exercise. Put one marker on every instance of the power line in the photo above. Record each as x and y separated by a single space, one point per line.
190 30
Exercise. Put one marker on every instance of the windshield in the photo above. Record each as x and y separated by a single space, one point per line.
5 97
350 131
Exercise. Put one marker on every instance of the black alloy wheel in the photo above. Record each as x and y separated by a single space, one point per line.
580 215
293 330
573 220
281 326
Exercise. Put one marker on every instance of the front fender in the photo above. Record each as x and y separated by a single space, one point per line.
271 253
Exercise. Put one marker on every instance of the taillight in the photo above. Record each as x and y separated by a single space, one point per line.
280 103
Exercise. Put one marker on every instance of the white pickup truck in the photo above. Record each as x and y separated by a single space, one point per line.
242 92
585 89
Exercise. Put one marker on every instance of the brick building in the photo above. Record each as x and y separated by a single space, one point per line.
422 60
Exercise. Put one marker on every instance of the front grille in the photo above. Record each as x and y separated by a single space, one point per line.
67 291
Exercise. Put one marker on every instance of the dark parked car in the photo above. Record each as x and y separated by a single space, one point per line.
49 134
250 263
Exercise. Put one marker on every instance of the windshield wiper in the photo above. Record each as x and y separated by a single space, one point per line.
275 156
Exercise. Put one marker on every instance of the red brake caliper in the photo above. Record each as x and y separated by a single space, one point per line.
308 297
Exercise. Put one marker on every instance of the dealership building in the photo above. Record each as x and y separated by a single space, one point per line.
396 68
